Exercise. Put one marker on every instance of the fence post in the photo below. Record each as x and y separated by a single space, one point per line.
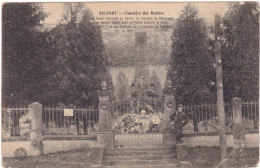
238 128
169 137
35 111
105 136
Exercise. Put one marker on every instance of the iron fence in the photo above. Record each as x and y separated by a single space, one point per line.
204 117
82 121
11 120
199 117
70 121
250 113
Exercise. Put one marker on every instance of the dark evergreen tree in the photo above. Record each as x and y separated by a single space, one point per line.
22 64
240 51
190 69
122 88
79 64
157 84
64 65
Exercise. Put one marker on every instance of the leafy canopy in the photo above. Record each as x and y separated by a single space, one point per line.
65 65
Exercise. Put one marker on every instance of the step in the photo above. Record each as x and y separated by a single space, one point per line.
157 148
141 157
140 162
138 153
145 166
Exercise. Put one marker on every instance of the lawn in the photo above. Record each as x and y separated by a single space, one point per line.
75 159
200 157
203 157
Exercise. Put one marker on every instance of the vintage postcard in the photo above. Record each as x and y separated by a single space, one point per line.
130 84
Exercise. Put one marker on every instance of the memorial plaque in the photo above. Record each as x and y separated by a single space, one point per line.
68 112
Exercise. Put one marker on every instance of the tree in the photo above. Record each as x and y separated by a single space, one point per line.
240 51
79 64
22 45
73 13
122 89
190 69
157 84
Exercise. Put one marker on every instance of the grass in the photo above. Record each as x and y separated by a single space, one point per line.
200 157
75 159
203 157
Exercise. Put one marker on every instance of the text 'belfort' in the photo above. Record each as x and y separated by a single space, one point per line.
130 13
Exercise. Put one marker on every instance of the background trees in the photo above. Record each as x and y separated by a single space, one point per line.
65 65
22 46
157 84
240 51
68 63
79 64
190 69
122 88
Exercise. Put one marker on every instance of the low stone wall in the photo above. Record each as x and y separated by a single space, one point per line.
8 148
252 140
146 139
49 146
212 139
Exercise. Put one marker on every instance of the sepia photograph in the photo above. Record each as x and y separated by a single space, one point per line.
130 84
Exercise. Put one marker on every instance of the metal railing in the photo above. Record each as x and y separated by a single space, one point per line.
83 121
250 113
10 120
204 117
80 121
199 117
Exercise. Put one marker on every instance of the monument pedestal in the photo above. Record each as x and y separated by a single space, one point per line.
105 139
169 138
185 164
181 150
105 136
238 128
35 110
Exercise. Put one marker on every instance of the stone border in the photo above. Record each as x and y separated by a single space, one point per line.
229 132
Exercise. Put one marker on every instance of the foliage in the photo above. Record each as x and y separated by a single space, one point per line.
240 51
157 84
73 13
79 64
7 123
122 89
190 69
22 46
65 65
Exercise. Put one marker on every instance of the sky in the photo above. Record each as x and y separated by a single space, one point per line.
207 10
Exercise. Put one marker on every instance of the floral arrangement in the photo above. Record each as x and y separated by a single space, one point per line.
134 123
